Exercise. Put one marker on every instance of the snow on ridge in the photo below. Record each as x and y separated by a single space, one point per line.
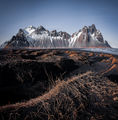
32 36
74 38
29 30
41 37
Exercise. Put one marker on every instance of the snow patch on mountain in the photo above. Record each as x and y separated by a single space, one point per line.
74 37
42 38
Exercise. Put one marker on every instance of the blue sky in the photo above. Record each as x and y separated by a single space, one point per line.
65 15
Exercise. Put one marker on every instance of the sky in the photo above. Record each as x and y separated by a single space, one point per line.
65 15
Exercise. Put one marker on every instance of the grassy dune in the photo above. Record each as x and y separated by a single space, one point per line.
85 96
58 85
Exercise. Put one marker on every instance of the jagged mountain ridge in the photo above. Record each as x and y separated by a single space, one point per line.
43 38
88 37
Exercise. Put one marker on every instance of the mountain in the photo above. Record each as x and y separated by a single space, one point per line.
43 38
88 37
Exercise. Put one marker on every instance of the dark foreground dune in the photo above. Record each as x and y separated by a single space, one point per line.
58 85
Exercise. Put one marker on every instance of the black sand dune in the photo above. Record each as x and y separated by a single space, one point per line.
58 85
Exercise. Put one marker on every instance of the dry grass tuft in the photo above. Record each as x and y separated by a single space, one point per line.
82 97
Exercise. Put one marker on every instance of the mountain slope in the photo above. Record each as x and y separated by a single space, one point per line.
42 38
88 37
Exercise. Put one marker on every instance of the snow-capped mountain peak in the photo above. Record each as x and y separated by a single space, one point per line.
41 28
88 37
40 37
29 30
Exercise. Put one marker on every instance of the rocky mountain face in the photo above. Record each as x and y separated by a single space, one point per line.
18 41
88 37
42 38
